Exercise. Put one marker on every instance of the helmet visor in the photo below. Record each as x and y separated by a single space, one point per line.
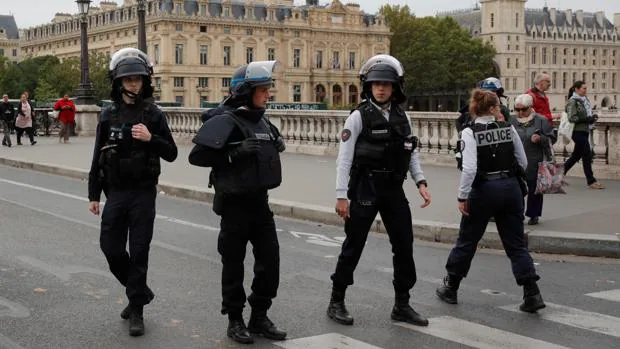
125 53
382 59
261 73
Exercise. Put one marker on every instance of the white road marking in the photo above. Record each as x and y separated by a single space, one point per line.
611 295
328 340
578 318
317 239
478 336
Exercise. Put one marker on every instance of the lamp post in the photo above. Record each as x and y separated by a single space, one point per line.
85 91
141 26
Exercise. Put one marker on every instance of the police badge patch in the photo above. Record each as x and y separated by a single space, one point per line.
346 134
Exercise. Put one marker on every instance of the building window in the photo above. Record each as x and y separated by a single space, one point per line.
178 54
544 55
613 81
508 63
271 33
517 20
249 55
226 30
564 77
158 83
319 59
296 58
351 60
204 51
226 82
179 99
296 93
156 53
297 33
533 55
14 52
554 80
203 28
603 80
226 11
203 82
492 20
179 81
227 52
583 77
533 77
554 58
517 63
203 10
514 84
336 60
1 52
249 32
574 78
203 101
178 27
593 81
271 54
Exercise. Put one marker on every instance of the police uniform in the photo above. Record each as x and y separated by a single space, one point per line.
241 183
493 161
127 171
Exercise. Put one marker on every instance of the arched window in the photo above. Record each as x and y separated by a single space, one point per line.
492 20
319 93
353 95
336 95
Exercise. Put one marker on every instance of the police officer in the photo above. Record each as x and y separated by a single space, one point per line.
132 136
242 148
7 115
376 151
493 158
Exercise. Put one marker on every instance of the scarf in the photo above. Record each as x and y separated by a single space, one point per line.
585 101
26 109
526 119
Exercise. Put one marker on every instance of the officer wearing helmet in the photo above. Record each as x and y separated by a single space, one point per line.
377 150
132 136
242 147
493 160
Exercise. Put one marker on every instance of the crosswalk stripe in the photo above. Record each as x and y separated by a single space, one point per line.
578 318
478 336
611 295
328 340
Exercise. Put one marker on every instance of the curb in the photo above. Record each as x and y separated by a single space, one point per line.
569 243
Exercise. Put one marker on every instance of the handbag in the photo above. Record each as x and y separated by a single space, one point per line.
550 179
566 128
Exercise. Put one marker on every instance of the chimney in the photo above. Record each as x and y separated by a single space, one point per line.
579 17
552 15
600 18
569 16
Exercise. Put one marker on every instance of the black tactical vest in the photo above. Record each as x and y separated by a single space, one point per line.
251 174
494 146
384 145
128 162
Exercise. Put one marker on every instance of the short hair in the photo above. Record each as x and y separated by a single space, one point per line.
539 77
525 99
5 95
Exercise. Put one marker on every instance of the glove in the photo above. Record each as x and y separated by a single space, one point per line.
248 147
280 144
592 119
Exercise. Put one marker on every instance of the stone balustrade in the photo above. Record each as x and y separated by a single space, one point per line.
317 132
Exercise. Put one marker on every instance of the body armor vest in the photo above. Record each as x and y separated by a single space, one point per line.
126 161
495 148
384 145
254 173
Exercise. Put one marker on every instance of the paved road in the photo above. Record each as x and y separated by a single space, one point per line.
56 292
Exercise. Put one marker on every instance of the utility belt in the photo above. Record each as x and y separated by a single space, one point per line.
378 174
492 176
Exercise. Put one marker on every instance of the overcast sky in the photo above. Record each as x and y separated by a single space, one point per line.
34 12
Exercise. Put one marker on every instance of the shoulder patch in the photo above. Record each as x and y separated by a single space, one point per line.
346 134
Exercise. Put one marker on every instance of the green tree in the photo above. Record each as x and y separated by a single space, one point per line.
437 54
98 64
45 91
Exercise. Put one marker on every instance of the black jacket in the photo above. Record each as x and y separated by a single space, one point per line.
7 107
161 143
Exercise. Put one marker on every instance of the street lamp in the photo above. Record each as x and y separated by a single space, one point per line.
141 26
85 91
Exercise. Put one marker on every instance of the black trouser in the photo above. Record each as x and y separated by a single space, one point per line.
534 201
6 140
581 152
248 218
389 200
501 199
20 131
129 210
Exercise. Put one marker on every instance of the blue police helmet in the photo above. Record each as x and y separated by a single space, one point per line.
492 84
250 76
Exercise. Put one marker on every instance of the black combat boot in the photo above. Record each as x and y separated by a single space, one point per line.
448 291
260 324
403 312
127 311
337 310
237 330
532 300
136 321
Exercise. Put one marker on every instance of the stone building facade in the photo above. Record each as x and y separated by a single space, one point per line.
9 38
196 45
568 45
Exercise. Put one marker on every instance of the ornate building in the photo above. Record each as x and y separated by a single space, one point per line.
567 45
9 38
196 45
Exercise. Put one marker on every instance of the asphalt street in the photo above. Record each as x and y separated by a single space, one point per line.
56 291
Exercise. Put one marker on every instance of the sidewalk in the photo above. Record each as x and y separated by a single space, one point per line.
584 222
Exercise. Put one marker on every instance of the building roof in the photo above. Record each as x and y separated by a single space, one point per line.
10 27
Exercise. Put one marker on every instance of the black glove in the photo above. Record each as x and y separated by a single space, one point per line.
247 147
280 144
592 119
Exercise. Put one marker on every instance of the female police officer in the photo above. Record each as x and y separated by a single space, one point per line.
242 148
376 151
132 135
493 158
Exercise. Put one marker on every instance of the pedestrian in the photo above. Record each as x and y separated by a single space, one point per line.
537 137
493 157
7 114
132 136
66 116
376 151
23 122
242 148
580 113
542 83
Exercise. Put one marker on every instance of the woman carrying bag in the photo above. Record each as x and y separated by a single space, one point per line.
537 135
579 112
23 122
